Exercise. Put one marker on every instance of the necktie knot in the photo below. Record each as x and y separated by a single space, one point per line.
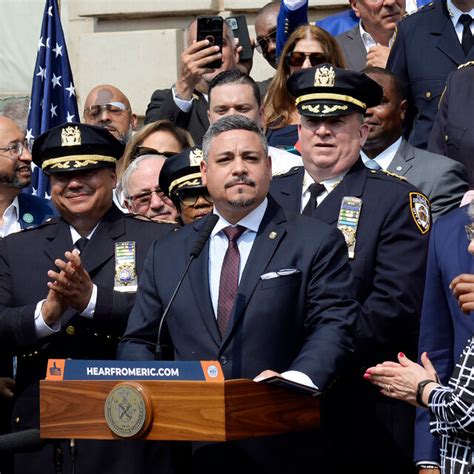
465 20
233 233
315 190
82 243
373 165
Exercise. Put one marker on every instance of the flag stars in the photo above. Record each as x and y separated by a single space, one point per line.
40 43
53 110
69 117
55 80
29 134
42 73
71 89
48 41
58 50
50 10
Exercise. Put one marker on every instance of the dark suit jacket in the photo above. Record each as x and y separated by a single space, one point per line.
162 106
453 132
302 321
444 327
388 269
425 51
25 259
353 48
442 180
34 210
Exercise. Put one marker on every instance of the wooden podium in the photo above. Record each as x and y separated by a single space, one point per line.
179 410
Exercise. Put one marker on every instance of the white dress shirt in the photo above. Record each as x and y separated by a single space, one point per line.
329 184
11 217
385 158
455 13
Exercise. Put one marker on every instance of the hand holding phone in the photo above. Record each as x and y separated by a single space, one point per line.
211 28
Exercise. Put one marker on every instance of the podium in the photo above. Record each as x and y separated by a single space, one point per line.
212 409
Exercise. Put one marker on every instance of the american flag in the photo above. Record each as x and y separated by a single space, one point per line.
53 97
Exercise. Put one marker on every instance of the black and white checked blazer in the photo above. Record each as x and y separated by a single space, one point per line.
452 416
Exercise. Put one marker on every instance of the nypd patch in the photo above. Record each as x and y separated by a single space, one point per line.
420 211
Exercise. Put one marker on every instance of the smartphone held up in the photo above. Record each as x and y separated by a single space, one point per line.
211 28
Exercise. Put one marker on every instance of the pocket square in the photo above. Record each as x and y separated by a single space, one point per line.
279 273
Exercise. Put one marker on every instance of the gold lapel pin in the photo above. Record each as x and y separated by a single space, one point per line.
272 235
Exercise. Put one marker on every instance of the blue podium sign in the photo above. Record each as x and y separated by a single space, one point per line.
70 369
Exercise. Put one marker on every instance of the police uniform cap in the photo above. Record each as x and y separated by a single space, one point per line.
181 171
329 91
76 147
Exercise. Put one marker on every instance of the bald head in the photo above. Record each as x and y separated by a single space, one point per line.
265 28
108 107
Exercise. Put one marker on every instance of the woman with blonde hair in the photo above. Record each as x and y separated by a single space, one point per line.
306 47
158 138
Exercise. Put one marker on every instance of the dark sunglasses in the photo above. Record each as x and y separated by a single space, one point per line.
297 58
189 197
145 150
263 43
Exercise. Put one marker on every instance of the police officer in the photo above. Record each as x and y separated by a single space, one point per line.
67 286
385 222
180 180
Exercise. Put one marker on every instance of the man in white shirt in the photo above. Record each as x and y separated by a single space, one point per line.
270 293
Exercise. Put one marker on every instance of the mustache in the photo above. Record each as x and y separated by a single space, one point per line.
73 193
240 180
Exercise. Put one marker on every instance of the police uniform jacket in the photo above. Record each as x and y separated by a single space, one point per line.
162 106
424 69
453 134
25 259
388 269
444 327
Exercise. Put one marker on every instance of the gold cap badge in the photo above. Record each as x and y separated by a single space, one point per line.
325 77
195 157
70 136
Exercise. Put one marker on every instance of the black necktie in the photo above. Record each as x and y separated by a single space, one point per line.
229 280
315 190
82 243
466 41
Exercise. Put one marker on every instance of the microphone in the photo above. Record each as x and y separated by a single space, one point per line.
195 252
21 441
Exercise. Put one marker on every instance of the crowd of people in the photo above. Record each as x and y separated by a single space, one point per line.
341 254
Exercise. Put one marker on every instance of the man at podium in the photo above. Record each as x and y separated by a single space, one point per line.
270 292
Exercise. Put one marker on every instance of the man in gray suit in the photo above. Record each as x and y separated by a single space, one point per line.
441 179
368 43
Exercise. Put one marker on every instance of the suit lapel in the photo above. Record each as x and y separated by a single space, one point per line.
101 248
448 41
271 231
201 109
288 193
351 185
401 162
199 278
59 240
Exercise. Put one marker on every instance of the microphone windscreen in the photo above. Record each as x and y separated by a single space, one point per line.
21 441
204 235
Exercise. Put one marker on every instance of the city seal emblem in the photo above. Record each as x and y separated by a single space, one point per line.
127 410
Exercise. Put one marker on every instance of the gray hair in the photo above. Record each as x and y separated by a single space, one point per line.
123 184
228 123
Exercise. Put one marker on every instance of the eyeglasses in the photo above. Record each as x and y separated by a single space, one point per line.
17 149
115 108
189 197
145 150
264 43
297 58
144 199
